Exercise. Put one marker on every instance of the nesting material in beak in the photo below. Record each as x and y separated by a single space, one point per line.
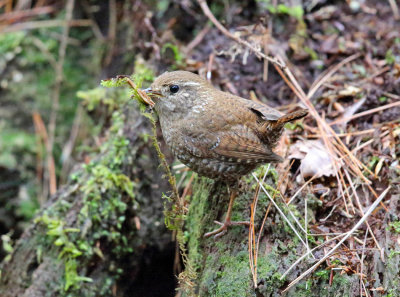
142 93
145 97
150 92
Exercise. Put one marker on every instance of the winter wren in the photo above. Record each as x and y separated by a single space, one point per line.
215 133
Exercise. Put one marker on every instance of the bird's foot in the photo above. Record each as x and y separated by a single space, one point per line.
224 227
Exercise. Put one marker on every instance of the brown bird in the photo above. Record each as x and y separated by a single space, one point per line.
216 134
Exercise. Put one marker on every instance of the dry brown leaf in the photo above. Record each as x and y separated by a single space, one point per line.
315 159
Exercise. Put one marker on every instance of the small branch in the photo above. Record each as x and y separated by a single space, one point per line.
197 40
395 8
21 14
348 234
70 144
112 31
45 24
95 26
56 95
309 252
281 212
326 75
256 51
41 133
367 112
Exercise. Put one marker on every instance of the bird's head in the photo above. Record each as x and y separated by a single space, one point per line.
178 91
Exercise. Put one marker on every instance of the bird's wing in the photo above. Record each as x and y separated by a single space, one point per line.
236 144
269 114
264 111
240 143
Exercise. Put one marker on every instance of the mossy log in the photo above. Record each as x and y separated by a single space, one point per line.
93 237
222 264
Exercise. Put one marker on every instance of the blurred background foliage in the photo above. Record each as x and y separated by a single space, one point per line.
104 40
28 66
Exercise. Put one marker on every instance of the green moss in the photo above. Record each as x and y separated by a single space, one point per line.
195 222
68 249
393 253
318 283
72 279
268 274
294 11
323 274
390 58
391 281
143 71
394 226
13 143
314 56
223 263
233 278
107 194
11 42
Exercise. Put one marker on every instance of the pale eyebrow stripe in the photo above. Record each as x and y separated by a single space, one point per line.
190 83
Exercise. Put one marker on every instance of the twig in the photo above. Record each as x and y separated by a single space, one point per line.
41 131
355 133
9 6
362 265
18 15
308 252
303 186
390 95
362 212
327 74
367 112
96 29
56 92
70 144
281 213
305 219
256 51
348 234
196 41
43 48
209 66
326 130
45 24
112 31
253 248
395 9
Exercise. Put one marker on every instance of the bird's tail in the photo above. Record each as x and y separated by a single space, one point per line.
290 117
273 128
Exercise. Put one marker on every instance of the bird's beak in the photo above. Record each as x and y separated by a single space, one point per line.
145 95
152 93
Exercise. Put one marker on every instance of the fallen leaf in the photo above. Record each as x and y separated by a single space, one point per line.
315 159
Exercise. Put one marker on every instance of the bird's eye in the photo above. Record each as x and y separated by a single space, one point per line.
174 88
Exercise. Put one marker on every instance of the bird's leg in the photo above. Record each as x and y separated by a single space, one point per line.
224 226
